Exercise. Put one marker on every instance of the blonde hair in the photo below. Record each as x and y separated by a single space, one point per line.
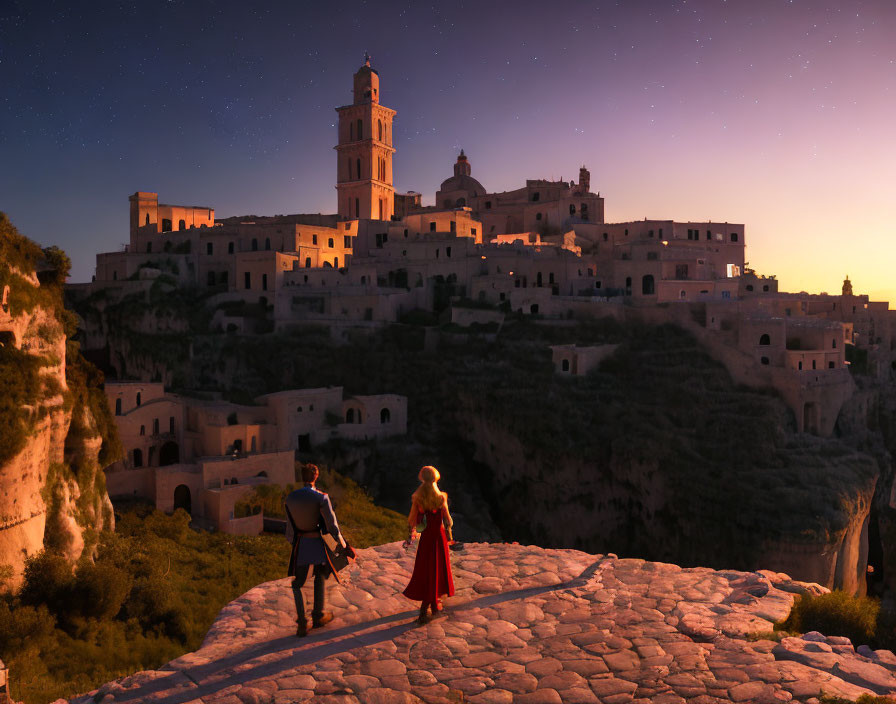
428 496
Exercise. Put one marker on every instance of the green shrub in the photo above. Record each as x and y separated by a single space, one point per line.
835 614
863 699
173 527
19 387
99 590
48 581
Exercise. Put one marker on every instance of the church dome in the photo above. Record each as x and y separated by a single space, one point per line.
463 183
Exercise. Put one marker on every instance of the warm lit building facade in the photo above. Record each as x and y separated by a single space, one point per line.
204 456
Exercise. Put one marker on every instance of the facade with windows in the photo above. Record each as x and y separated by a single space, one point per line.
204 456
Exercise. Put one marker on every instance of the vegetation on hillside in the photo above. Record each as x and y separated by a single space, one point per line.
858 618
361 521
150 595
20 389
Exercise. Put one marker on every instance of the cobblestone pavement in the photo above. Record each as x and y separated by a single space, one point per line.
527 625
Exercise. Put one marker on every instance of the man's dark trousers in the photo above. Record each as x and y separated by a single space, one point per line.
321 572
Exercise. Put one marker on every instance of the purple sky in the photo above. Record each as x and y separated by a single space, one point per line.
776 113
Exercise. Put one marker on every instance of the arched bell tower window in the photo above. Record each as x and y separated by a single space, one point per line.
358 164
360 130
379 130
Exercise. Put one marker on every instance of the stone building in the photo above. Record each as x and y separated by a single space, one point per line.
204 456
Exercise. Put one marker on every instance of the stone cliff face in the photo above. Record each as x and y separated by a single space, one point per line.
52 488
868 420
673 462
626 503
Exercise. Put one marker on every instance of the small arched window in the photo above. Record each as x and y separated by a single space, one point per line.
143 430
138 458
734 237
147 218
181 225
765 340
834 344
307 262
764 360
385 416
572 209
379 126
565 365
118 406
360 129
254 244
267 243
538 216
350 415
139 396
358 164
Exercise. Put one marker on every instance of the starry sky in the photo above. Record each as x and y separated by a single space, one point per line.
778 114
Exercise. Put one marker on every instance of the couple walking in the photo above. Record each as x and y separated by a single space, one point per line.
310 515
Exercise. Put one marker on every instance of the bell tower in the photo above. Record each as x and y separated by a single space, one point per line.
364 153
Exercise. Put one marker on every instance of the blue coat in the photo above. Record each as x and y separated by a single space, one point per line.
312 511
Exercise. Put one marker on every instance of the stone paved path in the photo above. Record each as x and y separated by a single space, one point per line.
527 625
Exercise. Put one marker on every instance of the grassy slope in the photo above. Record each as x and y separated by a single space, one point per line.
151 595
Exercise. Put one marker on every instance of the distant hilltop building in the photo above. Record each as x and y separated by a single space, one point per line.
543 249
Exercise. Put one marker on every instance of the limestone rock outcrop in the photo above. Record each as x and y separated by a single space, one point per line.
52 487
526 625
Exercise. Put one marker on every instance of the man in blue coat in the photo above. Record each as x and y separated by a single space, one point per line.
308 514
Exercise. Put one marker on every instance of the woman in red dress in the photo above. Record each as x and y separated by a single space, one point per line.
432 568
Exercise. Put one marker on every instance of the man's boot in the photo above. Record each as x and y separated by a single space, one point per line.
323 619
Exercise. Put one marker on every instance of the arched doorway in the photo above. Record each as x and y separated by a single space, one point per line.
385 416
182 498
169 454
810 418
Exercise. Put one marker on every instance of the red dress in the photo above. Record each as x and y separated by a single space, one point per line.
432 568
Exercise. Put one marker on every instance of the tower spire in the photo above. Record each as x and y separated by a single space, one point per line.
364 161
